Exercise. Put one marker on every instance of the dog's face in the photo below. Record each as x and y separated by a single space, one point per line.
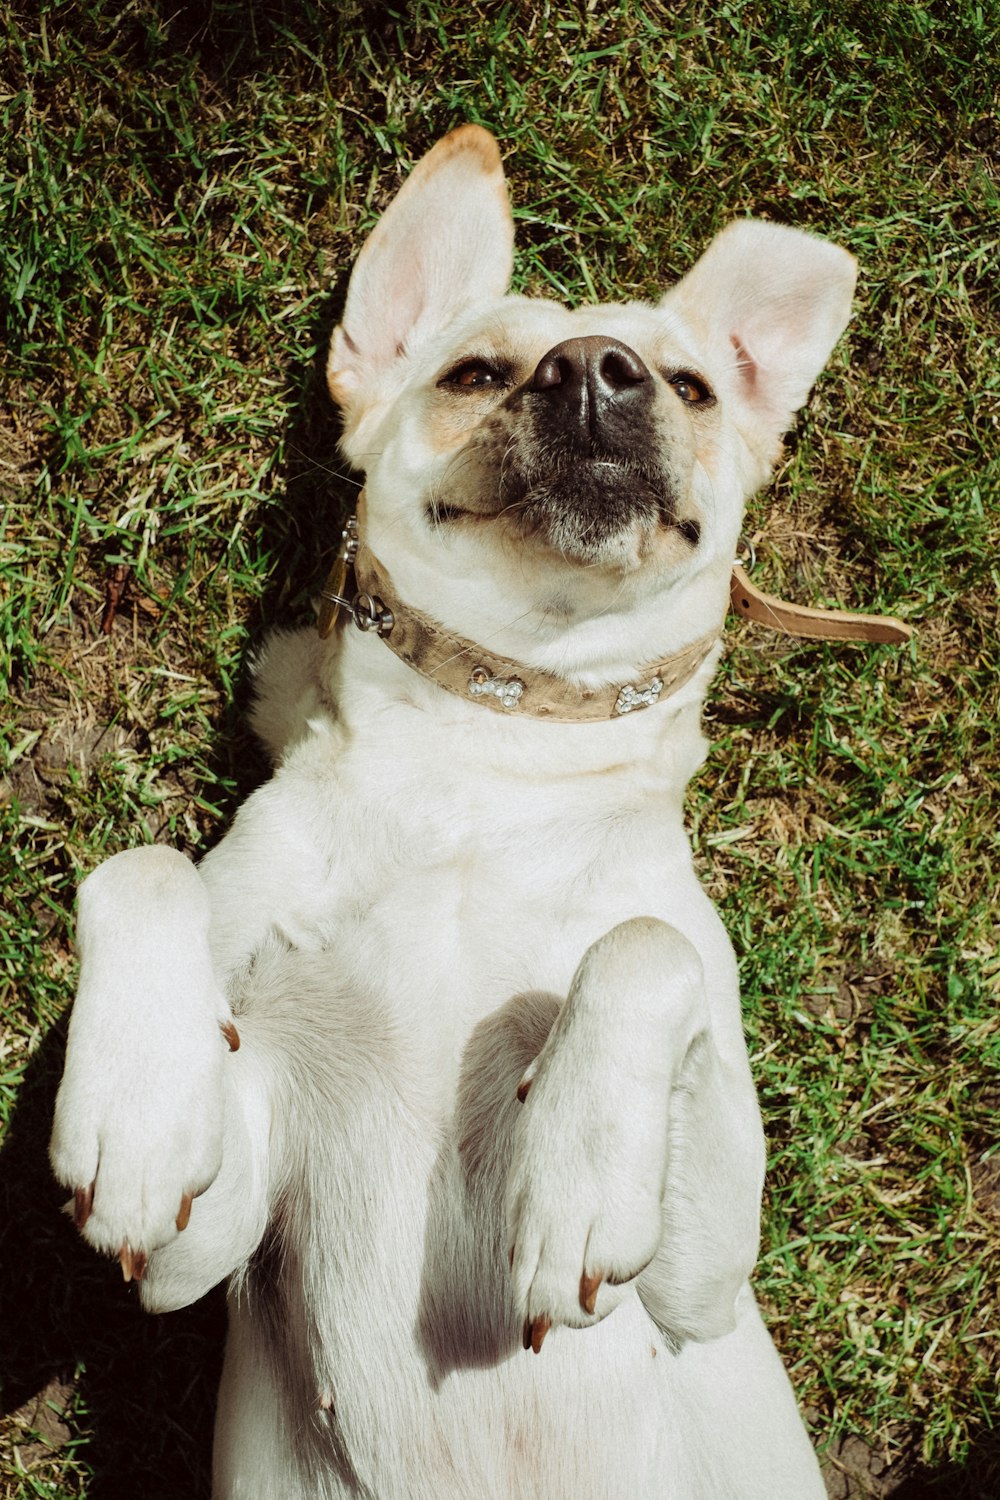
531 469
578 436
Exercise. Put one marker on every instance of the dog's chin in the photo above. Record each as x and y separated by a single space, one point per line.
599 514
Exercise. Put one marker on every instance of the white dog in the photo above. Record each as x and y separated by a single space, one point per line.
492 1088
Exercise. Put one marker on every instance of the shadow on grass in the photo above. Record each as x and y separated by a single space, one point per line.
977 1479
855 1469
300 536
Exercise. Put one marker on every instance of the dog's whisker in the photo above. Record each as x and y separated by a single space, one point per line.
323 468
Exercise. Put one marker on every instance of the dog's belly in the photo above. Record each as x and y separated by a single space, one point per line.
592 1418
610 1415
379 1324
377 1344
375 1350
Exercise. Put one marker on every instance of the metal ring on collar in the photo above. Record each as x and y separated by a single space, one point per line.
746 554
369 613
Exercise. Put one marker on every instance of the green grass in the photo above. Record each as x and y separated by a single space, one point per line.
180 199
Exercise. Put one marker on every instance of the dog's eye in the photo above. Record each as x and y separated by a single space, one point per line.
474 375
691 388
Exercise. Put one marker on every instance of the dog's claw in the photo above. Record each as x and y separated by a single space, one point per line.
589 1286
231 1035
522 1089
539 1329
184 1212
83 1202
132 1262
534 1333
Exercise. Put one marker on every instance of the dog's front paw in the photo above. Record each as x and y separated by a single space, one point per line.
583 1199
139 1116
586 1182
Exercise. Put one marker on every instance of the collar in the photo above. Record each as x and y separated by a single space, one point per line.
509 687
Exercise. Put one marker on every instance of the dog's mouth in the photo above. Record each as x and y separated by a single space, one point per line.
592 507
566 460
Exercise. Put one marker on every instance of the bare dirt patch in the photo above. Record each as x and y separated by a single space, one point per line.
38 1428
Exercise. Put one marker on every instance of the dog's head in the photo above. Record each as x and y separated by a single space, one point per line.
567 483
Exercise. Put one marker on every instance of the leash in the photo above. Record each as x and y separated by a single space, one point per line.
467 669
751 603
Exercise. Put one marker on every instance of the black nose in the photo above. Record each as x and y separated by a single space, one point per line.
588 380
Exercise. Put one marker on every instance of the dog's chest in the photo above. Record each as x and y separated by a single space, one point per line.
457 890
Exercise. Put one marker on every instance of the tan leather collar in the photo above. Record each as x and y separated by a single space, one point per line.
506 686
509 687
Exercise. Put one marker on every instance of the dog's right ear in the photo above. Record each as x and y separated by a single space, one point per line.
445 243
772 302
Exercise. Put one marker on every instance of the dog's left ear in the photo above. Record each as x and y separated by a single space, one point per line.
773 301
444 244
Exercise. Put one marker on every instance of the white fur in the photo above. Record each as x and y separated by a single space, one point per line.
430 904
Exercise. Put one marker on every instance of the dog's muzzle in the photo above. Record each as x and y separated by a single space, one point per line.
583 462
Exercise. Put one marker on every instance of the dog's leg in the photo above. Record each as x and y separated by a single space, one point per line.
151 1090
639 1148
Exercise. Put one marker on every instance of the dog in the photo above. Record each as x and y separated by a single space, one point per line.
437 1057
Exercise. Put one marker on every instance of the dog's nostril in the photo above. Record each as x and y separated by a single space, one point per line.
555 369
621 367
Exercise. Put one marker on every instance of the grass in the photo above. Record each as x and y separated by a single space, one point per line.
182 190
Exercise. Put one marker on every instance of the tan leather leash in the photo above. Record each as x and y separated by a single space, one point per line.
751 603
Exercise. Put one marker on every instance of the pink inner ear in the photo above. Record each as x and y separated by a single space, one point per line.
745 364
404 308
444 244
